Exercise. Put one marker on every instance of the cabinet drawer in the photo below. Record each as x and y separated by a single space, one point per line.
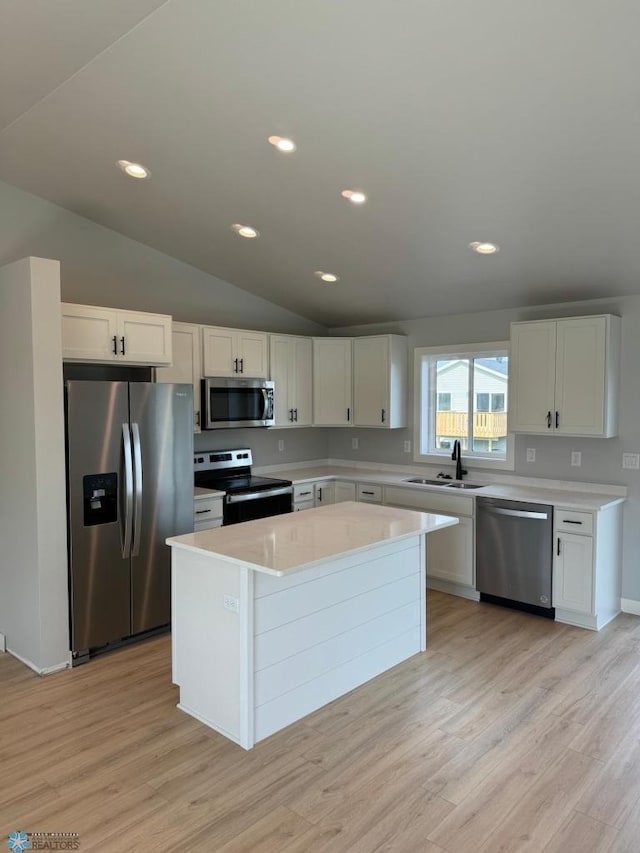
570 521
303 492
369 494
301 505
429 501
206 509
206 525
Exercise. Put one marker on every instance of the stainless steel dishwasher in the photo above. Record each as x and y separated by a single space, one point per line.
514 553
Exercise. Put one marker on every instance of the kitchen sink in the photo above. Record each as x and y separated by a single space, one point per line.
464 486
422 482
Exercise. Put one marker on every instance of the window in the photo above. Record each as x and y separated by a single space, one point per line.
462 395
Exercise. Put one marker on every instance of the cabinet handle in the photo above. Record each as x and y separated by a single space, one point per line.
296 414
115 345
304 494
548 420
242 365
558 548
122 345
570 521
320 494
367 493
348 414
197 418
202 511
557 419
382 415
235 362
291 414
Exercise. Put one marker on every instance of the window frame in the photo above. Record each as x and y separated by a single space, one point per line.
425 402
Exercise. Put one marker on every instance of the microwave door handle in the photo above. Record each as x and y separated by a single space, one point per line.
137 467
128 491
265 397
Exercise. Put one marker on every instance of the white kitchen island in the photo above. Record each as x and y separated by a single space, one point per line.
274 618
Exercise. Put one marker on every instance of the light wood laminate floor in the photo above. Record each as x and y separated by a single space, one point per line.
511 733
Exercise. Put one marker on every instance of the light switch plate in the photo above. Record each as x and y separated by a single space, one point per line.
531 454
354 443
631 460
281 445
407 447
576 458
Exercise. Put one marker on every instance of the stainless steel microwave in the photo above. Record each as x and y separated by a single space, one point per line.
237 403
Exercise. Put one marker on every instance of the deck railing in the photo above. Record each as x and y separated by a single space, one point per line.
485 424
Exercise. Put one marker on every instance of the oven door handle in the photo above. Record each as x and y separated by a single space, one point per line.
254 496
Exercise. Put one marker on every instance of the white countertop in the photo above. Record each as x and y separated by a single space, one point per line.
570 498
286 543
199 492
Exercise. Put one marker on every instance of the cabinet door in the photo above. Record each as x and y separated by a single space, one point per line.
580 375
324 493
88 333
573 573
218 351
301 381
532 375
343 492
251 352
371 370
144 338
280 365
186 365
332 405
450 554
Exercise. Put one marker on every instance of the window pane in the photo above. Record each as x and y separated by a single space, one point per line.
444 402
452 386
490 377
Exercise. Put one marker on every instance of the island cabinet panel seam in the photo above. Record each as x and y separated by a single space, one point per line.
246 655
328 591
278 643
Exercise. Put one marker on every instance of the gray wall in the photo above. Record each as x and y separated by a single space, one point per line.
299 444
101 267
601 458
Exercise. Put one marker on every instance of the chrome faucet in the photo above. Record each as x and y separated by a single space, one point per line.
460 471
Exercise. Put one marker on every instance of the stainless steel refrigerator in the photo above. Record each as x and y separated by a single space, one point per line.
129 487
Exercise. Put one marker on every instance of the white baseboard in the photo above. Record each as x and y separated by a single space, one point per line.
628 605
47 670
3 643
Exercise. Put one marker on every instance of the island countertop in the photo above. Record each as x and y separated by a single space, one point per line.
282 544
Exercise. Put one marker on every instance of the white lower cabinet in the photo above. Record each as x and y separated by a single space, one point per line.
303 496
207 513
450 552
324 493
369 493
587 566
343 491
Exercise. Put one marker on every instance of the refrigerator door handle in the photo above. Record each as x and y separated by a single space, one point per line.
137 468
128 491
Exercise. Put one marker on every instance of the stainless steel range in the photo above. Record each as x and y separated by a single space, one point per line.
247 497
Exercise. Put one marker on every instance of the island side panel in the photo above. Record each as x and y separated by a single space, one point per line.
321 632
209 647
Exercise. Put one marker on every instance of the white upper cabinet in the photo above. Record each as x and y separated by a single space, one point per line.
563 376
187 364
290 358
234 352
332 382
380 381
94 334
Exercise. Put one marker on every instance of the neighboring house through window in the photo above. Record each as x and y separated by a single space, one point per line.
462 393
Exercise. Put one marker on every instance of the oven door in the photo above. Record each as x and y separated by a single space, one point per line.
251 505
237 403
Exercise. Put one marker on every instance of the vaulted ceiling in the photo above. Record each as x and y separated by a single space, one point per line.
514 122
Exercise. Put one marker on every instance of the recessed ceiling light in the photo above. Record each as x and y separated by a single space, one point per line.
327 276
283 144
354 196
245 231
134 170
484 248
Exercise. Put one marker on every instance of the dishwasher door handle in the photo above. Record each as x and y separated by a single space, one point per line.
517 513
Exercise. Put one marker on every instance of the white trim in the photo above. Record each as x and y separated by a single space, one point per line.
47 670
3 643
202 719
453 589
628 605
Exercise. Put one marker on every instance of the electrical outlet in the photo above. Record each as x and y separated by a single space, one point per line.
281 445
230 602
631 460
354 443
407 447
576 458
531 454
